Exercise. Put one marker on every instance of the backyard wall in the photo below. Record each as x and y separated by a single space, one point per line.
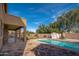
57 35
40 35
71 35
44 35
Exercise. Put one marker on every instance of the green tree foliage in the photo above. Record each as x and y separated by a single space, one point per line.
42 29
70 21
67 22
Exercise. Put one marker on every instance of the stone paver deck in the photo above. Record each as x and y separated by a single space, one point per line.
29 46
13 49
34 48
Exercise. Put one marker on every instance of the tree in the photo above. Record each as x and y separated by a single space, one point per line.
42 29
70 21
67 22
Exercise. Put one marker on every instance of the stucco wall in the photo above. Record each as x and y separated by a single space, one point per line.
1 42
57 35
71 35
40 35
1 8
1 34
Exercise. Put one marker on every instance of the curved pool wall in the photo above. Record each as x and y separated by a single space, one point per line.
67 45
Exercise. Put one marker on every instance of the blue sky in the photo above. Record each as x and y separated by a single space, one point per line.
37 14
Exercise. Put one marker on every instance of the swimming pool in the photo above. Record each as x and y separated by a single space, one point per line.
68 45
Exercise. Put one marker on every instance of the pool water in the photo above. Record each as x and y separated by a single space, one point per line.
69 45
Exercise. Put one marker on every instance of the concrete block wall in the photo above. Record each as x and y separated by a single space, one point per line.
71 35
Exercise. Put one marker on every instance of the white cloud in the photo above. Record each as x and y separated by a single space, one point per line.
60 13
37 23
32 29
53 16
77 4
16 13
31 8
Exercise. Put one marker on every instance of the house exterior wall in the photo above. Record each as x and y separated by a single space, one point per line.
13 21
10 22
1 33
3 10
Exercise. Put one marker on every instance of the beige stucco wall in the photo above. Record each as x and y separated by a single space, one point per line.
57 36
40 35
1 8
1 42
12 20
1 34
71 35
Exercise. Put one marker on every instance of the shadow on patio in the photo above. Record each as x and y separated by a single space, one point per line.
13 49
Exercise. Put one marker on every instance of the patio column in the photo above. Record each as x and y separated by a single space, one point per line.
5 37
15 36
19 33
24 33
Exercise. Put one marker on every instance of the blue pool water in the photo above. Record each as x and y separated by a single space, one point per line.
69 45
